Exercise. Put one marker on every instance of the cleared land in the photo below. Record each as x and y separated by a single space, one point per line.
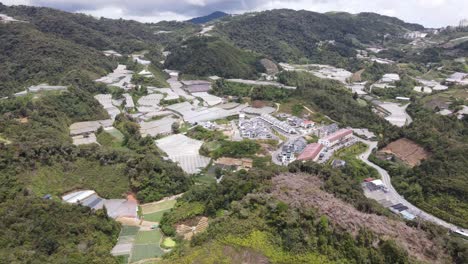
445 98
108 181
407 151
303 190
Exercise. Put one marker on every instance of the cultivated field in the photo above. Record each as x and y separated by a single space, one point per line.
445 98
407 151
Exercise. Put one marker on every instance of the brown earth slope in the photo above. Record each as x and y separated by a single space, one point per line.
303 190
407 151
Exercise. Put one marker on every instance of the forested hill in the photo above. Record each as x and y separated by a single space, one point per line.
208 18
30 56
292 35
122 35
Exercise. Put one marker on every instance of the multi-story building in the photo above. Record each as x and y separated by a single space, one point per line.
336 137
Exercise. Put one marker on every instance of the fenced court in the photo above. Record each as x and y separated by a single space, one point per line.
148 237
147 245
124 245
148 251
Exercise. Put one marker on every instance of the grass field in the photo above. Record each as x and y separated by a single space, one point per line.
108 181
204 179
111 138
148 237
156 216
123 259
156 207
355 167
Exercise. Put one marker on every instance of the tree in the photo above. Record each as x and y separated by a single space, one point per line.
175 128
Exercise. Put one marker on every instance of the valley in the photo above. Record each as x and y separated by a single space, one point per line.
278 136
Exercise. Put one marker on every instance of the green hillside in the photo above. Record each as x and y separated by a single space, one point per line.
289 35
204 56
30 56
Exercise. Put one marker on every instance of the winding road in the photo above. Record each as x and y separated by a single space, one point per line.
397 198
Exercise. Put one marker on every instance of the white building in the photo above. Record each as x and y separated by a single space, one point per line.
336 137
415 35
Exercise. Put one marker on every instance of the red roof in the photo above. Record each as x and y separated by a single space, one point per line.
338 135
310 152
368 179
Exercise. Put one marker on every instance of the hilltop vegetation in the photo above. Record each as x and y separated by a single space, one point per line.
125 36
288 35
208 18
205 56
30 56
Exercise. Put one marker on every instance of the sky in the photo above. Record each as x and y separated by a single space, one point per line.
430 13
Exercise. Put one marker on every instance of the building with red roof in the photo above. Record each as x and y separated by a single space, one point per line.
336 137
311 152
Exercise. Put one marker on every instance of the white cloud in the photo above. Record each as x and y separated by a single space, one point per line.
431 13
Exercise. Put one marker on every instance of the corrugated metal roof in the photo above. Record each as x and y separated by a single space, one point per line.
310 152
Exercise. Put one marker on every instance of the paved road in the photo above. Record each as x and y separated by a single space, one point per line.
397 197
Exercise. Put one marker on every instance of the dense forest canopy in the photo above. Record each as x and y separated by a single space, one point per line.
288 35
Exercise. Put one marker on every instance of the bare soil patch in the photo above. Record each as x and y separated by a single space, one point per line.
407 151
303 190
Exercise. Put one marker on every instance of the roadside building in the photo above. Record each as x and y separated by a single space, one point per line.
279 125
337 137
291 149
311 152
326 130
307 124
